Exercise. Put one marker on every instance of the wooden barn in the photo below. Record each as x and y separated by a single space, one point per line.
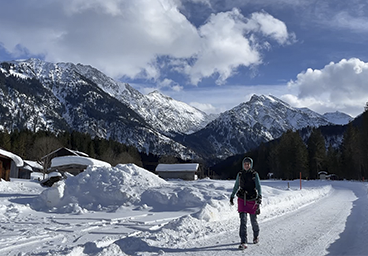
9 165
58 153
74 164
186 171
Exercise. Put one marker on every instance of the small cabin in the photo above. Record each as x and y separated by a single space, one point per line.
9 165
185 171
322 175
59 153
74 164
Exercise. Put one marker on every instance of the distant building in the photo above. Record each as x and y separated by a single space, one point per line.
9 165
187 171
60 152
74 164
322 175
28 168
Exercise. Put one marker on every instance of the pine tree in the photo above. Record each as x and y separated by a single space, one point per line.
316 153
333 161
350 154
5 140
363 145
290 156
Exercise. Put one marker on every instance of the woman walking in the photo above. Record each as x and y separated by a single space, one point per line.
247 188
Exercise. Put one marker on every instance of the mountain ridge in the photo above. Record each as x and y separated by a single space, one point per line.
68 96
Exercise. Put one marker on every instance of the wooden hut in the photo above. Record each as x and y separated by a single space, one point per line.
186 171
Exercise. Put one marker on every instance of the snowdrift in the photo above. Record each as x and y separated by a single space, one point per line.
98 188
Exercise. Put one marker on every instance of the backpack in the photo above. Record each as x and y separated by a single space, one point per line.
247 185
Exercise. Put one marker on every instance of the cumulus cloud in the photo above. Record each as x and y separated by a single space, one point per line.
341 85
229 40
224 47
126 38
270 26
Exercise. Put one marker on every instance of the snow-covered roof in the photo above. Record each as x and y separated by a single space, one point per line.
17 160
33 164
80 160
27 167
191 167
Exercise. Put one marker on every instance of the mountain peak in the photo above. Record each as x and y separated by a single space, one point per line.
338 117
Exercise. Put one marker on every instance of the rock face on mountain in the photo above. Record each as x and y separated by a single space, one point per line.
244 127
39 95
43 96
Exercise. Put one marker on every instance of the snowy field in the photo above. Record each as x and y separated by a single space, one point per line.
126 210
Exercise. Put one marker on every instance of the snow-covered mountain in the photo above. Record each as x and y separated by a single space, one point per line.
247 125
44 96
161 112
338 118
40 95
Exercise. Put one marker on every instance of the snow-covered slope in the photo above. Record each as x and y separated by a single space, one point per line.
338 117
38 95
244 127
161 112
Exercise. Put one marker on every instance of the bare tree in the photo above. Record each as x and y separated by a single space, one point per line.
42 147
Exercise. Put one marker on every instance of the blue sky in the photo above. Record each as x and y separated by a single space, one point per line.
212 54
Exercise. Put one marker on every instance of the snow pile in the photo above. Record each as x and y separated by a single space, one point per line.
98 188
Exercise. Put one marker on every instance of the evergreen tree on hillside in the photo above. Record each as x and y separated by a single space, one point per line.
350 153
316 153
5 140
333 161
262 164
289 157
363 145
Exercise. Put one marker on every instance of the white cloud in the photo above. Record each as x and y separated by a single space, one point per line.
126 38
205 107
353 22
229 42
119 37
224 47
338 86
270 26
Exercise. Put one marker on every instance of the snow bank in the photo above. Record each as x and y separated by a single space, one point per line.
98 188
278 201
108 188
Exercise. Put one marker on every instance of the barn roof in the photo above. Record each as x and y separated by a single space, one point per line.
188 167
33 164
17 160
66 151
79 160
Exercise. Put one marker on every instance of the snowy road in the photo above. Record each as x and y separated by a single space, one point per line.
335 225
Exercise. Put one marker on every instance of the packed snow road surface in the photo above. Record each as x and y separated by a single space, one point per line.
334 225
